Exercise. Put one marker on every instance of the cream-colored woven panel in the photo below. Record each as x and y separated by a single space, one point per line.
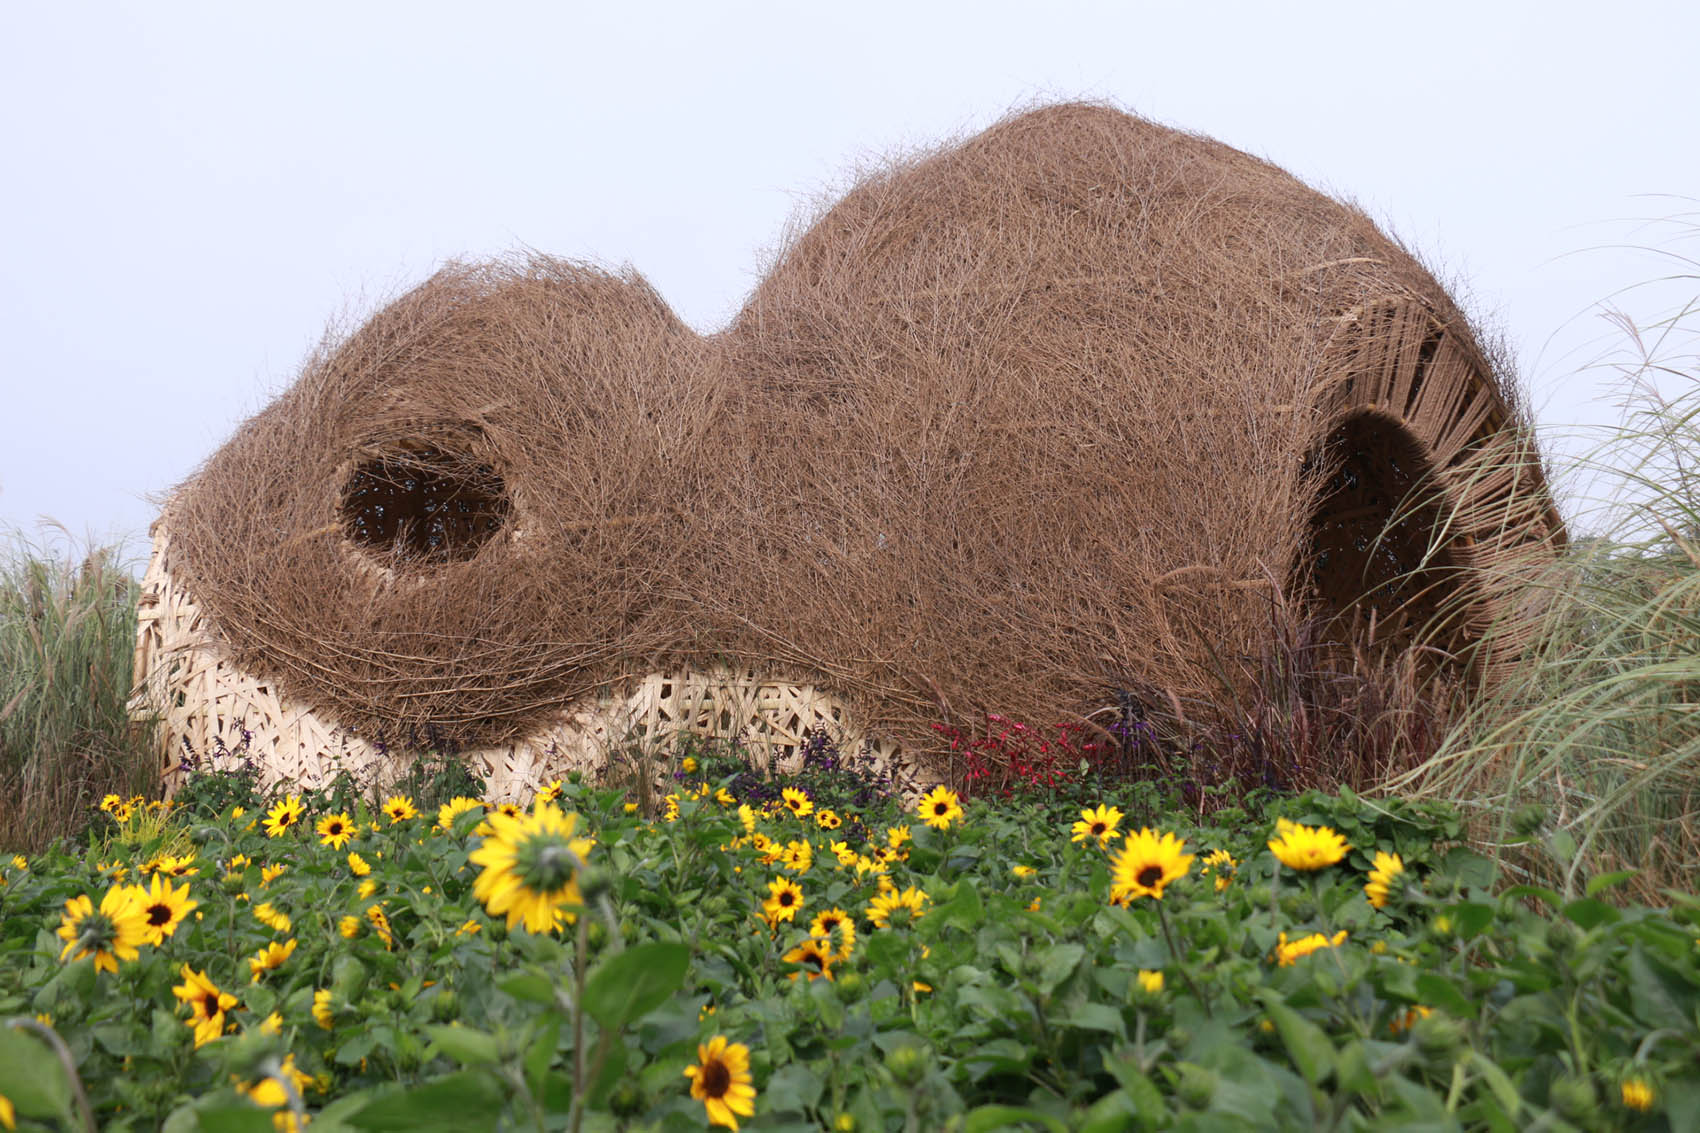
213 715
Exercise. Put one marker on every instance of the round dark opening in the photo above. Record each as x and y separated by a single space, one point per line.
1372 539
424 504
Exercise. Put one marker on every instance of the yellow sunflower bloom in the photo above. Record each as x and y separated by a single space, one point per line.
335 830
828 820
721 1081
551 793
111 933
910 901
1151 983
1098 823
399 808
163 908
8 1113
1288 954
269 958
323 1014
784 899
357 865
1384 878
283 815
939 807
207 1005
381 925
836 923
1306 848
1637 1094
796 801
816 956
454 808
530 869
1147 862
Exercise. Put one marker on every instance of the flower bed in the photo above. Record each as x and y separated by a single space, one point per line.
1318 962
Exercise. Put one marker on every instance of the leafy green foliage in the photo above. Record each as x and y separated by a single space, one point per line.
1016 998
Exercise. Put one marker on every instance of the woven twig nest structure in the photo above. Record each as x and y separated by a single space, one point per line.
1011 427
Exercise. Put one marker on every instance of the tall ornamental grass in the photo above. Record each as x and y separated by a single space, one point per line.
1589 760
67 635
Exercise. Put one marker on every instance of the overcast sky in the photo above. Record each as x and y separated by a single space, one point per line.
192 192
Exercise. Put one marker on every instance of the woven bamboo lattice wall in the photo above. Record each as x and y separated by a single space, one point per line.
1051 421
213 716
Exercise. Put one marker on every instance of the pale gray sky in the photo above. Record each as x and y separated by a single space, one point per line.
192 191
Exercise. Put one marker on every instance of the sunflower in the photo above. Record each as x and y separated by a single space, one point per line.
1223 865
939 807
836 922
111 803
335 830
798 857
724 797
784 898
8 1113
357 865
1022 872
890 900
399 808
1146 864
531 867
1150 982
1384 878
323 1014
270 873
828 819
207 1005
283 815
1288 954
110 934
796 801
1100 824
182 865
1637 1094
348 927
271 917
895 836
271 1093
816 955
454 808
721 1081
381 925
163 908
270 958
1306 848
550 793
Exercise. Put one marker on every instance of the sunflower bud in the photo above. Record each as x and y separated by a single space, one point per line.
1574 1099
1437 1037
906 1063
850 986
627 1100
1197 1086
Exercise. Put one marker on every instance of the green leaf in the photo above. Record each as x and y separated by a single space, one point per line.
1438 991
629 986
1591 913
468 1100
1112 1113
1309 1047
1097 1017
1498 1081
31 1075
466 1045
791 1089
233 1119
990 1117
1057 963
1606 880
528 987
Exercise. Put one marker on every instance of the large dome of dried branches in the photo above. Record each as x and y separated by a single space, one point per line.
1050 419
